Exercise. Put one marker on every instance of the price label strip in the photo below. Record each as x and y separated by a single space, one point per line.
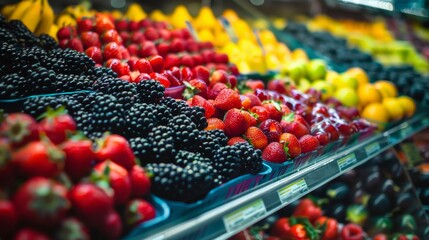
372 148
229 30
287 193
346 162
405 132
239 218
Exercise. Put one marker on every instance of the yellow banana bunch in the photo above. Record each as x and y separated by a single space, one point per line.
7 10
29 12
65 19
135 12
47 19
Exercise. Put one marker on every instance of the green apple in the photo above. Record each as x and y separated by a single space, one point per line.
344 81
316 69
325 87
296 70
347 96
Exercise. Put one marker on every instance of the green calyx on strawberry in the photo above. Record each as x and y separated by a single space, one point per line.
72 228
312 232
289 117
56 124
138 211
19 128
190 90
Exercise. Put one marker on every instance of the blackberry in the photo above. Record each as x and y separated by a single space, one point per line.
186 135
108 114
226 162
150 91
36 106
24 36
163 146
219 135
186 184
84 122
142 149
184 158
99 72
208 144
95 135
14 86
47 42
250 158
72 82
196 114
140 120
124 91
7 37
74 62
172 104
162 114
43 80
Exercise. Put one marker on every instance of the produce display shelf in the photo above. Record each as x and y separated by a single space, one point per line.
249 207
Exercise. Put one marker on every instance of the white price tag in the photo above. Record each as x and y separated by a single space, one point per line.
288 192
346 162
372 148
237 219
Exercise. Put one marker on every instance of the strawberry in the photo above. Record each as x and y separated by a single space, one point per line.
75 44
28 233
233 69
137 37
274 110
40 202
220 58
291 143
277 85
56 124
125 36
308 143
71 228
256 137
138 211
221 66
145 23
157 63
294 127
63 43
214 123
201 72
187 74
7 172
235 123
191 45
216 89
95 53
118 179
112 50
134 26
66 33
255 84
124 52
198 59
8 219
115 148
301 119
111 226
176 33
187 61
140 182
133 49
202 102
19 129
177 73
232 81
235 140
271 129
163 49
250 118
206 45
121 25
177 45
38 158
172 61
171 78
103 24
142 77
121 68
79 158
90 39
143 66
219 76
260 112
84 24
148 49
322 137
165 34
160 78
227 99
274 152
151 34
90 203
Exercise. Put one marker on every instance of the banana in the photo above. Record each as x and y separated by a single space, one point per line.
47 18
135 12
20 9
7 10
53 31
65 20
32 16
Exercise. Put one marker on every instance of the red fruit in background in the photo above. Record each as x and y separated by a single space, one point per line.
331 229
274 152
8 219
187 74
164 34
121 25
137 37
28 233
79 158
90 39
40 202
306 208
219 76
245 102
151 34
121 68
198 59
133 49
214 123
250 119
256 137
301 119
143 66
133 26
90 203
140 182
208 55
76 44
295 128
221 58
163 48
172 61
291 143
56 124
115 148
322 137
255 84
255 101
233 70
271 129
84 24
215 90
7 171
186 34
274 110
281 228
138 211
198 87
177 45
118 179
227 99
111 226
112 50
157 63
261 113
148 49
145 23
72 228
173 80
380 236
66 33
142 77
202 102
352 231
235 140
160 78
344 128
124 52
125 36
191 45
63 43
235 123
308 143
103 24
207 45
221 66
232 81
38 158
177 33
187 60
95 54
277 85
111 36
177 73
19 129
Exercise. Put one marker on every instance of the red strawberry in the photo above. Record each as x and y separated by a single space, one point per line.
165 34
7 171
291 143
145 23
84 24
95 53
198 59
28 233
112 50
157 63
140 182
233 69
121 68
208 55
271 129
56 124
274 110
202 102
206 45
142 77
227 99
201 72
148 49
221 58
124 52
90 203
177 45
221 66
137 37
187 60
133 49
134 26
261 113
173 80
232 81
143 66
255 101
216 89
277 85
308 143
111 226
256 137
118 179
72 228
274 153
172 61
125 36
138 211
40 202
322 137
79 158
214 123
160 78
163 49
63 43
219 76
199 87
8 219
75 44
187 74
38 158
301 120
295 128
103 24
176 33
191 45
66 33
235 140
116 148
151 34
235 123
250 118
19 129
121 25
255 84
177 73
90 39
